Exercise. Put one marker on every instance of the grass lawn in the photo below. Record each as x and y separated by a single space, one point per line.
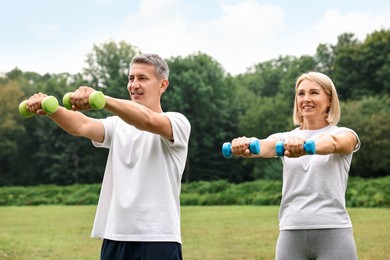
221 232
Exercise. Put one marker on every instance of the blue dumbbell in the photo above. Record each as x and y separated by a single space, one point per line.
309 146
254 147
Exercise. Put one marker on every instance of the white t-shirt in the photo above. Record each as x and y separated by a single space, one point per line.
140 194
314 186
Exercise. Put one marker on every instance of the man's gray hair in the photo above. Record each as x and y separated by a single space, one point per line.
161 68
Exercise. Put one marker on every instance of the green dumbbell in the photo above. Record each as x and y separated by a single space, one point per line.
97 100
49 104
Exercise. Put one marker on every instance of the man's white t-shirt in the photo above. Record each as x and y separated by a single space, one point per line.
314 186
140 194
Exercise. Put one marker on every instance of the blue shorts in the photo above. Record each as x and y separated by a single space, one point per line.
117 250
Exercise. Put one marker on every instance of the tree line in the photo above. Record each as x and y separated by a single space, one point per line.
220 106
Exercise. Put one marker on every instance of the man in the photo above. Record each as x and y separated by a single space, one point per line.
138 214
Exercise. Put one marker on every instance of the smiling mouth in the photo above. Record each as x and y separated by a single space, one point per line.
307 108
134 94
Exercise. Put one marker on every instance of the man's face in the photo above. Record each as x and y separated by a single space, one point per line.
143 86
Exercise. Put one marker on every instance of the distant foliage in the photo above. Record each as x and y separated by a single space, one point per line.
360 193
50 195
369 117
368 193
219 106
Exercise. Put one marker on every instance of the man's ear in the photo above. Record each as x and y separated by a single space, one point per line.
164 85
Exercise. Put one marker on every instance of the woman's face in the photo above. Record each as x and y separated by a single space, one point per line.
313 102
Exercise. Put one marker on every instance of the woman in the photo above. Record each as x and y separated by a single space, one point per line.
313 220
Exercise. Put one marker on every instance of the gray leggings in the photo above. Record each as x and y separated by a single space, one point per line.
319 244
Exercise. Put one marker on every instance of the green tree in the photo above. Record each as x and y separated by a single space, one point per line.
200 89
48 153
362 68
324 58
218 105
10 128
369 118
108 67
267 97
375 63
266 116
346 70
264 79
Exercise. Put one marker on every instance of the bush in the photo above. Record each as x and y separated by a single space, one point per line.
50 195
368 193
360 193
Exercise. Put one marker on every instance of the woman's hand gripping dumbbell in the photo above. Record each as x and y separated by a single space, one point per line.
96 100
49 104
254 148
309 146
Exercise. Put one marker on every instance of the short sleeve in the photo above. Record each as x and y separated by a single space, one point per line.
345 129
109 124
181 128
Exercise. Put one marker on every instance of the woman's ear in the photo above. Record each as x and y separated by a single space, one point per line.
329 103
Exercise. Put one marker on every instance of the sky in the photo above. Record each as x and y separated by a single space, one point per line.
47 36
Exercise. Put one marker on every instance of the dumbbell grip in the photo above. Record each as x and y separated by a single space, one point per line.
254 148
309 146
49 104
96 100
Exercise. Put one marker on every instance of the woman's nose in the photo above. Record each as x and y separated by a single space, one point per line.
306 98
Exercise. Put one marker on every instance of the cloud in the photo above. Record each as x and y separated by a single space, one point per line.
105 1
166 28
243 31
246 21
45 31
335 23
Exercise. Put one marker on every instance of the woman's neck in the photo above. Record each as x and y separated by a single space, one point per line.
313 124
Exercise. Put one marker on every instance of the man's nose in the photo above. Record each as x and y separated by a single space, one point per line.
134 84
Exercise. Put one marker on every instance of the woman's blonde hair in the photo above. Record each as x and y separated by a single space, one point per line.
333 115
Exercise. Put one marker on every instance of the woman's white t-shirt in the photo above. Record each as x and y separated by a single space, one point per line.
140 194
314 186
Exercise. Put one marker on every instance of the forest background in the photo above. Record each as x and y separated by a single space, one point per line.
219 106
